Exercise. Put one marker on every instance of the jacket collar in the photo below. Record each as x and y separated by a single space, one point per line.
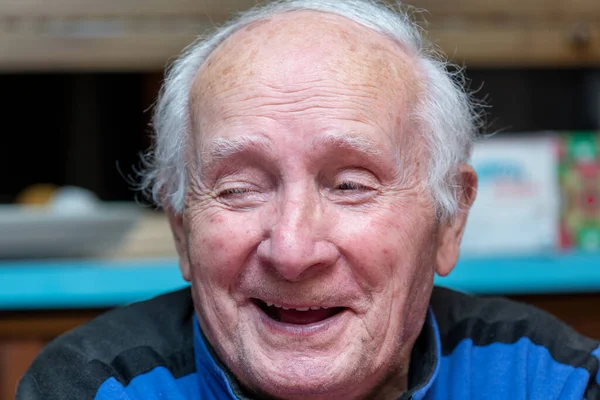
424 360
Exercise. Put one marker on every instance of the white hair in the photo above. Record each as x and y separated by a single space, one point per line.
444 113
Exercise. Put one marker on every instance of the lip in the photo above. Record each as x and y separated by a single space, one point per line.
329 325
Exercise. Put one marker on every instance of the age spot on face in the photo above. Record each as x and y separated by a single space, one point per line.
227 70
216 219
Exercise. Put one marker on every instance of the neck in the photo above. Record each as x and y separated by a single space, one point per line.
391 386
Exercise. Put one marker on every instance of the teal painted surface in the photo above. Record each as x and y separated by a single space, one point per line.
565 273
84 283
102 283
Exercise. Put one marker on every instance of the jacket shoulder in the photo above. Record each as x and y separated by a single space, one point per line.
122 343
495 337
487 320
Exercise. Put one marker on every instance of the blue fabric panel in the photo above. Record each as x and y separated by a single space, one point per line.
111 389
518 371
157 384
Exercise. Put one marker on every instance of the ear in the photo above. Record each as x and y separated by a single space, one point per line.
450 231
180 238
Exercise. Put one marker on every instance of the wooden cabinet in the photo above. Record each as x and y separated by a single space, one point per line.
542 33
144 35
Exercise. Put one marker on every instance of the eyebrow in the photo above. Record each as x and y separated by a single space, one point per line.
220 148
356 142
350 141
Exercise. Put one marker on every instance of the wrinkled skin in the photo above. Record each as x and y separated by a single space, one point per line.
309 207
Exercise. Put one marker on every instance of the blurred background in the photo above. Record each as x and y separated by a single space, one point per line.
78 80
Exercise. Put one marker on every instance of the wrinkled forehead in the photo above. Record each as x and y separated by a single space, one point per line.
300 49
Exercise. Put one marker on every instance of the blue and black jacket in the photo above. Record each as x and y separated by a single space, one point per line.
470 348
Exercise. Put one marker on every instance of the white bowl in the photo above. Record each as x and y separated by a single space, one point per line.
34 232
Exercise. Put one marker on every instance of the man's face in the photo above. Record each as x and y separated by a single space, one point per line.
310 247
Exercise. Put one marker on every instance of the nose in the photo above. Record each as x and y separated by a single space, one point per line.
296 246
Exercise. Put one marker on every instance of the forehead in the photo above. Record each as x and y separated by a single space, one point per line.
307 52
304 41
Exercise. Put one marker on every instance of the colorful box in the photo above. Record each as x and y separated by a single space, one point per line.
579 176
517 207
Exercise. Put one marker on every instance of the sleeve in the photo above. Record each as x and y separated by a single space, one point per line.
61 373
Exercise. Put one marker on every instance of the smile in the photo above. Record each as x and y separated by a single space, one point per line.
302 316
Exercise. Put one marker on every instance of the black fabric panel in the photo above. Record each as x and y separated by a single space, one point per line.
496 320
140 360
123 343
593 390
61 373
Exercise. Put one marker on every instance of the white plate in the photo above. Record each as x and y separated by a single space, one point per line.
28 232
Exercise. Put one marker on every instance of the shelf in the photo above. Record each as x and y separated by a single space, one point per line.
127 52
97 283
121 8
126 35
480 9
566 273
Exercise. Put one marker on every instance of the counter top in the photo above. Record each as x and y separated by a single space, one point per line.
57 284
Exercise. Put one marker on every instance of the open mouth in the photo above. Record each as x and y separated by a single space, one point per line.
297 316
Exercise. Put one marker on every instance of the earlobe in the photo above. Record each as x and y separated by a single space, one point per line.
450 232
180 238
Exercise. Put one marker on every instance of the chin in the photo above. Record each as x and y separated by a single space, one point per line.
304 374
304 379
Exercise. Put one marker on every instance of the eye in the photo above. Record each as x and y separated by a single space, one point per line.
233 192
347 186
241 197
352 186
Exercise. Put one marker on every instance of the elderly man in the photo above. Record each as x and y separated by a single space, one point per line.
312 158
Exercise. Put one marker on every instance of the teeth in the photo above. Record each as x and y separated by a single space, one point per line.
297 309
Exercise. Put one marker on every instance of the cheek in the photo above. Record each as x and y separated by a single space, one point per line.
384 248
220 245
